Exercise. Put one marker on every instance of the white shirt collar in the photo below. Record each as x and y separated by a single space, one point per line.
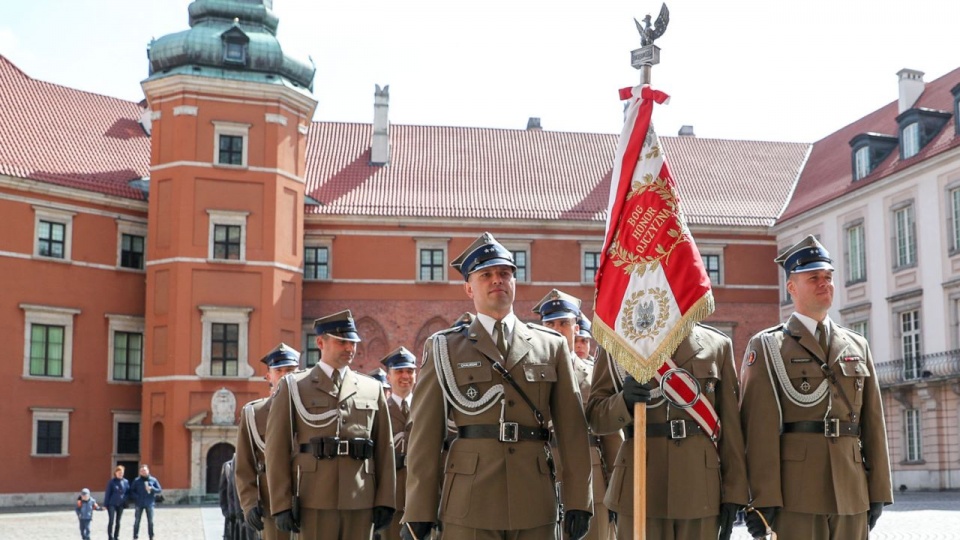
399 401
488 322
811 324
328 369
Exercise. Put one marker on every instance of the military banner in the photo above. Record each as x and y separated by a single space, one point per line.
652 287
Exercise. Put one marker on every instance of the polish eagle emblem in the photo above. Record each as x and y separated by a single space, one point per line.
652 31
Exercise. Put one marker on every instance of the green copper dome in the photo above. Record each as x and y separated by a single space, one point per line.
233 39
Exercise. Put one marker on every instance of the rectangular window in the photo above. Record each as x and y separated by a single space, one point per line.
431 264
955 219
911 422
591 263
224 349
905 237
910 343
127 356
51 239
520 259
316 263
49 437
313 352
910 141
131 251
861 163
860 327
128 437
856 254
226 242
46 350
711 262
231 150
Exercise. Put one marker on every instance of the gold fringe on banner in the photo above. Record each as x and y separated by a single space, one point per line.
643 369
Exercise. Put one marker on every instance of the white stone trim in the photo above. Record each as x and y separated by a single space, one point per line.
272 118
585 247
132 417
53 414
522 245
227 217
137 228
49 315
226 315
319 242
433 243
233 129
53 215
185 110
123 323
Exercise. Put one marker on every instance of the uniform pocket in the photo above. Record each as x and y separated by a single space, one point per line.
458 483
540 372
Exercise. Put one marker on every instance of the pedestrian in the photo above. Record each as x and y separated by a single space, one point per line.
329 444
86 505
560 311
144 491
813 416
401 374
501 382
115 500
583 341
696 474
250 467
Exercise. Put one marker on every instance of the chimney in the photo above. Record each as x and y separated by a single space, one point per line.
686 131
380 147
533 123
911 86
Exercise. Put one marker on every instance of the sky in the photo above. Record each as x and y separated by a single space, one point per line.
735 69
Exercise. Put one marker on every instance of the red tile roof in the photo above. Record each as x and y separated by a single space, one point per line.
69 137
828 174
78 139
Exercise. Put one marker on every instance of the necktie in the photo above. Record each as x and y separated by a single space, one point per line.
822 333
405 408
336 381
501 340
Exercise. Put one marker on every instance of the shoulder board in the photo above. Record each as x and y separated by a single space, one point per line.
542 328
256 402
773 329
452 330
712 329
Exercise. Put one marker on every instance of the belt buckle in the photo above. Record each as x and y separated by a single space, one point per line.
678 429
831 428
509 432
343 447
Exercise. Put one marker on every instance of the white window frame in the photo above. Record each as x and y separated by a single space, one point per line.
227 218
855 252
904 235
861 162
716 252
230 128
910 338
910 140
319 242
53 415
43 213
953 202
912 436
514 245
588 247
136 228
861 327
131 417
225 315
309 341
433 243
123 323
54 316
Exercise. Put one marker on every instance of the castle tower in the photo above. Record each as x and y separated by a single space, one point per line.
229 114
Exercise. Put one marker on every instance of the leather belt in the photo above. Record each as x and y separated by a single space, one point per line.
674 429
594 441
505 432
833 427
628 432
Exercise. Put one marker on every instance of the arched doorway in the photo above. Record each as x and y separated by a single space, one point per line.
219 454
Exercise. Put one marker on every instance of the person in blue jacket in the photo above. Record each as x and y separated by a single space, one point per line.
114 499
86 505
143 492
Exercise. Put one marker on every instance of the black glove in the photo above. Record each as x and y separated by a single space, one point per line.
255 518
286 523
634 392
728 514
755 525
874 513
417 530
576 523
381 517
612 516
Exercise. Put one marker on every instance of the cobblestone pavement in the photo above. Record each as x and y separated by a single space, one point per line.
915 516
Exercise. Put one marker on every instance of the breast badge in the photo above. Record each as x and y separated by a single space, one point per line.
472 392
751 358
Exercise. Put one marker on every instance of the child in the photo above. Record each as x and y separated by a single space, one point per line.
85 507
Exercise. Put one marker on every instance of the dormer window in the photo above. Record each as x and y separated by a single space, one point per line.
869 150
918 126
235 43
861 163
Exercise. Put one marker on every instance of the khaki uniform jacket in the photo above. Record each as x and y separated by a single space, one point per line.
488 484
686 478
251 466
808 472
401 427
341 483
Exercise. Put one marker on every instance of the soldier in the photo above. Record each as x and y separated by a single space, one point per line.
401 367
583 340
381 375
696 482
812 416
234 527
250 467
561 312
329 449
501 382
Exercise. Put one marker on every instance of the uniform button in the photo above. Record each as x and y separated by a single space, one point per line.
620 419
343 406
470 378
510 402
511 450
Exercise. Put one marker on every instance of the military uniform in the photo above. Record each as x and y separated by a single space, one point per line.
687 478
399 409
340 459
812 415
